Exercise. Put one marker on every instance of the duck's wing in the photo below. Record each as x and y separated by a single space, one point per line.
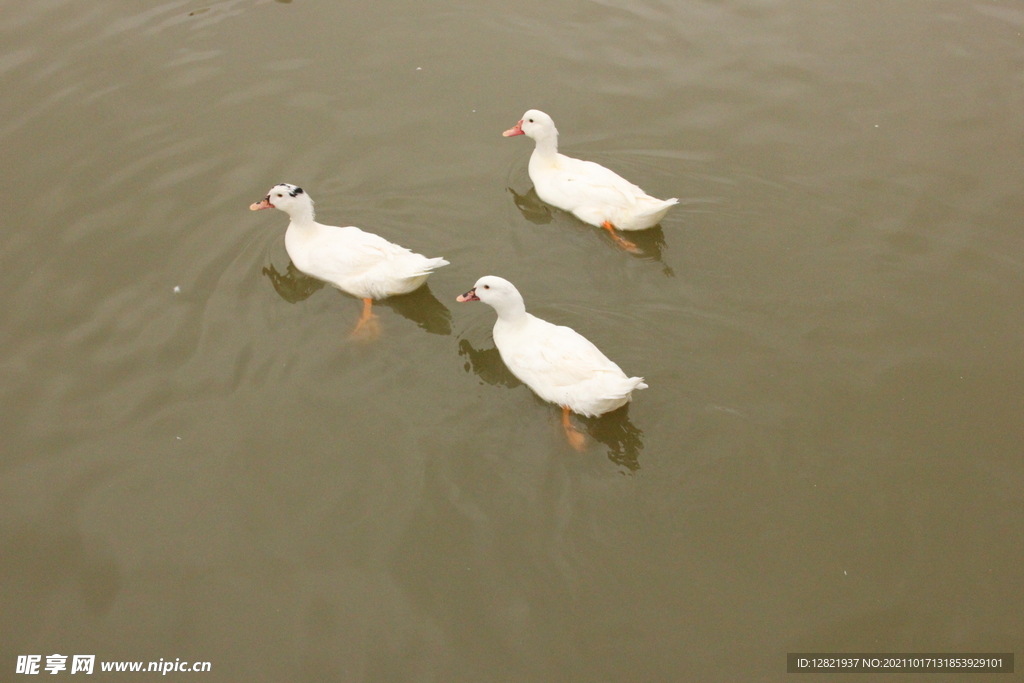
603 176
337 254
591 183
558 357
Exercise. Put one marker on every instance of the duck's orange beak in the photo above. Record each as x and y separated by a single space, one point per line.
468 296
265 204
515 130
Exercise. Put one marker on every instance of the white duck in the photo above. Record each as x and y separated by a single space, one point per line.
360 263
591 192
559 364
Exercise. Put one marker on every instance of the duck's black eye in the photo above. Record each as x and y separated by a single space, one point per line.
531 120
279 194
487 286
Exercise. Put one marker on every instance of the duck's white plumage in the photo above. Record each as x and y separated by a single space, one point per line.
358 262
589 191
559 364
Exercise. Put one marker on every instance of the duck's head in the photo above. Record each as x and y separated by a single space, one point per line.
496 292
534 124
289 198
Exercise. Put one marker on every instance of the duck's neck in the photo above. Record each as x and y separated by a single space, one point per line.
511 312
302 217
547 148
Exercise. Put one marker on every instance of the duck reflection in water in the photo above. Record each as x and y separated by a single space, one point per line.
649 243
614 429
294 285
420 306
530 205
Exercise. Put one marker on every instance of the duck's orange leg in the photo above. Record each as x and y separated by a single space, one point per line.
619 239
368 327
576 439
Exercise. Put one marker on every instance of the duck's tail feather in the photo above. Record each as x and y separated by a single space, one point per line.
628 385
437 262
432 264
659 207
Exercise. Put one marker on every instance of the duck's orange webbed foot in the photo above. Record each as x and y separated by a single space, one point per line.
576 439
619 239
368 327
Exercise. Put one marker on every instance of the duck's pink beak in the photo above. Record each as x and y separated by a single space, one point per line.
468 296
265 204
515 130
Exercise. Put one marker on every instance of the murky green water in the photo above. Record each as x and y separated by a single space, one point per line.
828 458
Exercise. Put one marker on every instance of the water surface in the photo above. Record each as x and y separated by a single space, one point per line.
828 457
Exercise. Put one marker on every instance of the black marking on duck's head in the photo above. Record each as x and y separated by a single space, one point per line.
292 190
